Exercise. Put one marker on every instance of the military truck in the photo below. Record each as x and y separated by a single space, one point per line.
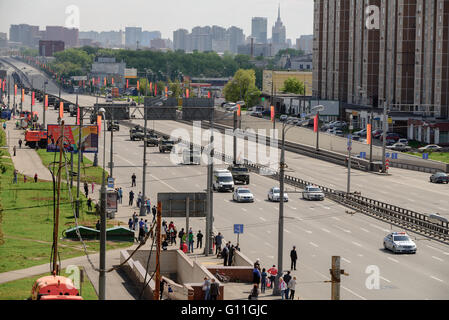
239 173
152 139
136 133
113 125
166 145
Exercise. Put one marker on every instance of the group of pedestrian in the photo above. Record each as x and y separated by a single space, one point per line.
142 225
211 289
119 194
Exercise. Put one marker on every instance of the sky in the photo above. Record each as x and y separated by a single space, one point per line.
163 15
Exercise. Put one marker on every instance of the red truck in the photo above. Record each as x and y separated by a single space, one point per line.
35 138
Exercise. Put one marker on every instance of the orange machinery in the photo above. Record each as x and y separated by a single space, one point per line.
54 288
35 138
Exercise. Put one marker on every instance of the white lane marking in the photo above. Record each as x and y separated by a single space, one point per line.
327 208
285 230
263 219
270 257
435 278
344 230
260 208
439 250
436 258
345 260
363 229
357 244
268 231
313 244
357 295
308 231
244 209
325 230
385 279
335 218
394 260
360 255
377 227
268 244
293 208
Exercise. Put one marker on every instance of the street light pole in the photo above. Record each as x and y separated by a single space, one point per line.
144 170
210 196
102 277
384 137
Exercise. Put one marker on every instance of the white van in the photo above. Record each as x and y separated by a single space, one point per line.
222 180
190 156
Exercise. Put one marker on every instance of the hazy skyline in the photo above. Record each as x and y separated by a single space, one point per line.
165 16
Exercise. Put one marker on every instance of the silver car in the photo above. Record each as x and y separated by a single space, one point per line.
313 193
274 195
399 242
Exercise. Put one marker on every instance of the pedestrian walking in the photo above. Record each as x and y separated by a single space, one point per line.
93 186
218 242
181 235
292 286
20 143
254 295
24 179
148 206
154 211
263 280
139 199
130 224
145 226
287 279
225 254
98 225
206 288
214 290
293 257
14 150
89 204
136 221
133 180
199 240
282 287
15 177
272 275
131 198
86 189
191 241
35 178
256 276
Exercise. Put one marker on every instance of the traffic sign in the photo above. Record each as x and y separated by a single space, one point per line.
111 183
238 228
349 140
363 155
394 156
387 155
425 156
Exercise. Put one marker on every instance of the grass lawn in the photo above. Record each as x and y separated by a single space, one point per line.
21 289
437 156
89 173
26 221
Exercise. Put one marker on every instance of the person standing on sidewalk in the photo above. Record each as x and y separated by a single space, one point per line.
191 241
263 280
133 180
35 178
206 288
14 150
292 286
130 223
154 211
273 273
225 255
199 240
287 279
136 220
93 186
293 257
86 189
214 290
282 287
131 198
20 143
89 204
218 241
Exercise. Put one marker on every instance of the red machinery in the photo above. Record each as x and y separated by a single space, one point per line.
35 138
54 288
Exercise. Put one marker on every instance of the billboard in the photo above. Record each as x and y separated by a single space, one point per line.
89 138
174 204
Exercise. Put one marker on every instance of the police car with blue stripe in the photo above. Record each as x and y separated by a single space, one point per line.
399 242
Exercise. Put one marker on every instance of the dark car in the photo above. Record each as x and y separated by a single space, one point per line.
377 134
439 177
391 136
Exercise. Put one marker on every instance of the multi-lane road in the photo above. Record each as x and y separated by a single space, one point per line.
318 229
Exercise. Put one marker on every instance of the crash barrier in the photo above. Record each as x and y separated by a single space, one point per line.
405 218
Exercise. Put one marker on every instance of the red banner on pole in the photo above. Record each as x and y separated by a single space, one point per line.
61 109
23 95
15 90
369 134
32 99
315 124
138 85
46 102
208 94
99 124
239 110
78 116
127 83
272 114
187 93
151 86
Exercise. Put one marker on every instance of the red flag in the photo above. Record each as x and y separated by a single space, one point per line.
369 134
239 109
61 109
112 80
15 90
272 114
151 86
208 95
46 102
166 91
23 95
99 124
138 85
4 85
78 116
32 99
127 83
105 82
315 124
187 93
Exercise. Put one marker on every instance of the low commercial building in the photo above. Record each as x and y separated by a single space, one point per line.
47 48
273 81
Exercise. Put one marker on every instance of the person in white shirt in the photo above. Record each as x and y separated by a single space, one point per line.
291 286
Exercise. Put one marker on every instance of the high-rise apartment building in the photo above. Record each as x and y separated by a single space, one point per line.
58 33
133 37
25 34
305 43
394 52
236 38
180 39
259 29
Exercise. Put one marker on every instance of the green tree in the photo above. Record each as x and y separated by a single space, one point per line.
175 88
242 87
293 85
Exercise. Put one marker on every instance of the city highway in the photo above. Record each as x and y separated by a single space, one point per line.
318 229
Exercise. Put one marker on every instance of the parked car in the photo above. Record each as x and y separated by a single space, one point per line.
399 147
430 148
439 177
391 136
377 133
339 133
283 118
361 133
257 114
404 141
338 124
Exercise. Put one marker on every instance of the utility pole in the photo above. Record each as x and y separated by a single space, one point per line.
95 164
144 170
336 273
318 132
45 83
371 142
78 177
349 154
384 137
210 195
158 251
9 89
102 277
111 164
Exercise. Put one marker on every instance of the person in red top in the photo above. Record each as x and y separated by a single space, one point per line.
272 272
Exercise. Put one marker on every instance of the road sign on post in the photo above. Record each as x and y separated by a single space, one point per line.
425 156
111 183
238 229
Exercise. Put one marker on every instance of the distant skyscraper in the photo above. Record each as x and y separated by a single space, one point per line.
201 39
25 34
236 38
305 43
279 34
180 39
259 29
133 37
147 36
58 33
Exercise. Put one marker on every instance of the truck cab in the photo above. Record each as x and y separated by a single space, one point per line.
35 138
166 145
239 173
